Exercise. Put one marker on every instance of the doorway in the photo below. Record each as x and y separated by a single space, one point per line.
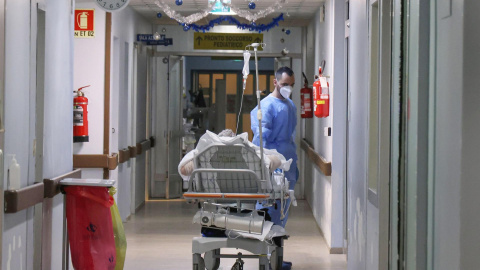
167 113
216 94
203 94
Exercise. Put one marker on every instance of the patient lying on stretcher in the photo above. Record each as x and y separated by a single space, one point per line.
273 160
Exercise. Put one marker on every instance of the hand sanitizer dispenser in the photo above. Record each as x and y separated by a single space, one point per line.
13 176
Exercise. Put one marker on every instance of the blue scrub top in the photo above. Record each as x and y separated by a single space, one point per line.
279 121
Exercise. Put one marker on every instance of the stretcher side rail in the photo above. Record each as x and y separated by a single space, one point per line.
227 196
210 170
232 148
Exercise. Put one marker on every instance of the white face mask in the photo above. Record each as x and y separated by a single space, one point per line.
285 91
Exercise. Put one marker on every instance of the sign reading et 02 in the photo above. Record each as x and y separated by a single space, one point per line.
84 23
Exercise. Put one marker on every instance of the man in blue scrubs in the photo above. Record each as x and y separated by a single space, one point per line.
279 121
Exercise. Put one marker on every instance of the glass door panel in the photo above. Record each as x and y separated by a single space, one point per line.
232 89
204 87
215 77
272 86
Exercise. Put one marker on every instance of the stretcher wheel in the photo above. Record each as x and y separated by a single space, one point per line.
276 261
198 262
212 263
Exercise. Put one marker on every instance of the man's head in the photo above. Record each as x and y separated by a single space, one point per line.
226 133
283 77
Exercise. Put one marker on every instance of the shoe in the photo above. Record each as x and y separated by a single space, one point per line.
286 265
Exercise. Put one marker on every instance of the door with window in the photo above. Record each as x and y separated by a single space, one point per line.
223 97
175 128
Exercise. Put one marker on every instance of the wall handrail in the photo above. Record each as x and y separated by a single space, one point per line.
133 151
143 146
123 155
52 186
96 161
152 142
139 148
19 199
319 161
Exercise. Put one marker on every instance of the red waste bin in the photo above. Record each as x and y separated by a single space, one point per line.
90 230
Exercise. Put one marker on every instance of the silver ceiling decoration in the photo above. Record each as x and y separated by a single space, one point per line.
250 16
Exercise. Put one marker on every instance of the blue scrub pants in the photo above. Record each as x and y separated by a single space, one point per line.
275 214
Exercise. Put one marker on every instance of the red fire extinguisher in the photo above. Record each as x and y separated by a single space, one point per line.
306 100
80 116
321 96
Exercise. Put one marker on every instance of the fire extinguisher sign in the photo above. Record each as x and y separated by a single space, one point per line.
84 23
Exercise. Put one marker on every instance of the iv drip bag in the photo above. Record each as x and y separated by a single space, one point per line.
246 64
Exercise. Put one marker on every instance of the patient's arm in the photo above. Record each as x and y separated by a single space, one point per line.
187 169
275 162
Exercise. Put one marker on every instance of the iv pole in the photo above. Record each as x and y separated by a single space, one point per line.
259 117
259 112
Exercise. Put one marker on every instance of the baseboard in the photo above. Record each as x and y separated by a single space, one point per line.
140 206
336 250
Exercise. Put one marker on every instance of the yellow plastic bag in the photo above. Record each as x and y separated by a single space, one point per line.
118 233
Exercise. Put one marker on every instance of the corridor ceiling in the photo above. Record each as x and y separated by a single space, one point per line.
296 12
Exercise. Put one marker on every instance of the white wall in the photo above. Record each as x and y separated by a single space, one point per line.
320 197
338 121
89 58
20 123
17 114
357 136
89 69
325 193
57 159
126 24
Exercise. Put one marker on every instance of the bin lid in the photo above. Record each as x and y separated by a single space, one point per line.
87 182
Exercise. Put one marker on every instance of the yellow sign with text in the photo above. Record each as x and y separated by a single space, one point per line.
224 41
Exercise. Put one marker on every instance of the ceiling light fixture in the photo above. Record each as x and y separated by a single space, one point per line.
219 7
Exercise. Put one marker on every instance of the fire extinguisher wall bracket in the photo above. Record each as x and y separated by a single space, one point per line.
77 139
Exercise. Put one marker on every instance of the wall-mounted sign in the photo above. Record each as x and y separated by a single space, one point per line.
220 9
149 40
84 23
224 41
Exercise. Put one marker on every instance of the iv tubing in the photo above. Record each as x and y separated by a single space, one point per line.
259 114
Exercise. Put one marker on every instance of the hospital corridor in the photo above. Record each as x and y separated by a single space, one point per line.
239 134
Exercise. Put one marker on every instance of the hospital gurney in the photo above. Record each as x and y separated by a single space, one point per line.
228 181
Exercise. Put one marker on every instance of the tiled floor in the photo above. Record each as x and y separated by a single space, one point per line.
159 236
